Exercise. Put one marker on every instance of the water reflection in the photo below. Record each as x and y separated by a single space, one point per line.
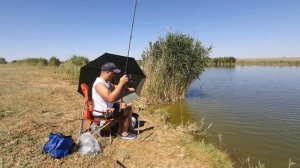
196 92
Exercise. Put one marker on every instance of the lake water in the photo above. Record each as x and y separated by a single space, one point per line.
255 109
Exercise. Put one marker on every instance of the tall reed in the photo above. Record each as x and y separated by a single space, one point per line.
171 64
71 67
53 61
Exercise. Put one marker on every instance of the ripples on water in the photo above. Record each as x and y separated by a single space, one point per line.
256 109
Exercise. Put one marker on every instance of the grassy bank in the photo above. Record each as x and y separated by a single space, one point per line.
34 101
270 61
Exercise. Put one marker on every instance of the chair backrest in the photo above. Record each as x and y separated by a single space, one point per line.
87 103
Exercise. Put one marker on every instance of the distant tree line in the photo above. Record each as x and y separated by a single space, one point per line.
222 61
3 61
70 67
269 61
53 61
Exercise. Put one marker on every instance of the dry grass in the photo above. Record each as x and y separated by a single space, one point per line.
34 102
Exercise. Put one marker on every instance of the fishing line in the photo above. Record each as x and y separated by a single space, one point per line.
130 37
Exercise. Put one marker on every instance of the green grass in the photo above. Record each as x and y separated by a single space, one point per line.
195 148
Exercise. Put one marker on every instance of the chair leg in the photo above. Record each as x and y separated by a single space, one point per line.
138 127
97 131
110 134
80 129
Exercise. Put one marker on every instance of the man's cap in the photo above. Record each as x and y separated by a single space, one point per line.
110 67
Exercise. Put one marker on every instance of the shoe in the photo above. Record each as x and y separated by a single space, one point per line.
130 136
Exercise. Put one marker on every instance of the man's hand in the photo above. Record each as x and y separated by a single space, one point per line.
130 90
123 80
110 111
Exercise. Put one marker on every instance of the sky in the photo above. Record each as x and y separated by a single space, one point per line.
62 28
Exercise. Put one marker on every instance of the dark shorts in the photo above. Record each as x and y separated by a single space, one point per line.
118 113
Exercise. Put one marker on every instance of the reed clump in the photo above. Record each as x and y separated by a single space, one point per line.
222 61
71 67
171 64
53 61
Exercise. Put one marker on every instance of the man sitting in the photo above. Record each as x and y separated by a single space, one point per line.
104 95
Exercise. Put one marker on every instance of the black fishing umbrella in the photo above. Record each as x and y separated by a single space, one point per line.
91 71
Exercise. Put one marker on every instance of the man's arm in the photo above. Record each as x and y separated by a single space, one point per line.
111 96
113 86
128 90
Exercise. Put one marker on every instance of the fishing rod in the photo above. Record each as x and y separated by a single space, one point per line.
133 18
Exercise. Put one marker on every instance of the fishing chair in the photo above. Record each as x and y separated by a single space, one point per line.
91 123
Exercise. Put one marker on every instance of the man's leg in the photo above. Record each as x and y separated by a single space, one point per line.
126 120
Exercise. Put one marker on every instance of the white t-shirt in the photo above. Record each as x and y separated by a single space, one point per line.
99 103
